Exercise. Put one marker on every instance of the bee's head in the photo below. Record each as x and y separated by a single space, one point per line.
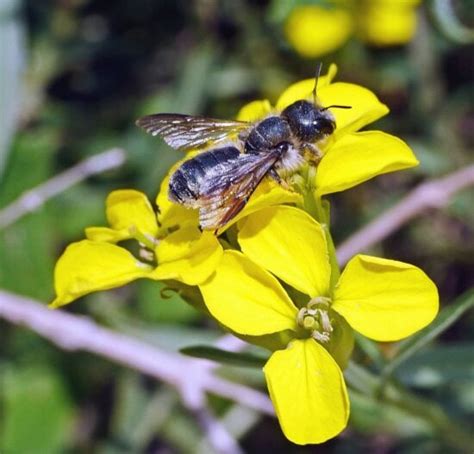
309 122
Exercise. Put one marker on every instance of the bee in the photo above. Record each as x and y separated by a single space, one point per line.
220 180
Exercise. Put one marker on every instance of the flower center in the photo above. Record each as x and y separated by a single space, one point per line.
146 241
315 318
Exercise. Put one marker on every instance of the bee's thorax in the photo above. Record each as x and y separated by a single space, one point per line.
268 134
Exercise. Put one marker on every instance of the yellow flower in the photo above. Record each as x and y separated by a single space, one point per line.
385 300
349 157
98 263
314 30
387 22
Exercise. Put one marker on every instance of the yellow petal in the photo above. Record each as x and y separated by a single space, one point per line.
385 300
291 244
107 235
365 106
308 391
304 89
254 110
267 194
314 31
187 255
89 266
128 208
172 214
358 157
247 299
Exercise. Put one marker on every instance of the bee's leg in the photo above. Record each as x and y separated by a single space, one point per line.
274 174
313 153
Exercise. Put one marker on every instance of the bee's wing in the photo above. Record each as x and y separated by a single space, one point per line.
183 132
224 195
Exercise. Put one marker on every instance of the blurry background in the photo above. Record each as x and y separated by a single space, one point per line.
74 76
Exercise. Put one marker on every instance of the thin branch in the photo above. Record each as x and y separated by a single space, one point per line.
216 434
34 198
432 194
71 332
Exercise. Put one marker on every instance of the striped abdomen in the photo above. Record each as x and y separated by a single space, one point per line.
186 183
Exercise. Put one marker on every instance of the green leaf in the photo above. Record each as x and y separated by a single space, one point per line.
26 263
165 336
445 319
160 304
138 414
242 359
369 415
182 431
371 349
80 206
30 162
37 412
441 365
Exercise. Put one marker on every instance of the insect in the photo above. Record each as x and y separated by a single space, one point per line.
220 180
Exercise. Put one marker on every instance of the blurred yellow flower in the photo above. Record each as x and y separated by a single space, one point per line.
387 22
349 157
385 300
314 30
98 263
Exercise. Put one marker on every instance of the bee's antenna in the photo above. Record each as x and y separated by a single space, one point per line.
336 106
316 78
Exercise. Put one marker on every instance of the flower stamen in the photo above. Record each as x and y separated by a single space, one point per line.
147 240
315 318
146 254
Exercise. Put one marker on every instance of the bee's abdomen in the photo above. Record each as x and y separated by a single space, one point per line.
268 134
186 181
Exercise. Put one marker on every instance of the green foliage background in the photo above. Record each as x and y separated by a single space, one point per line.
74 75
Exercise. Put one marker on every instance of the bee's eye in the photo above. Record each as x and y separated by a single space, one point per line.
323 125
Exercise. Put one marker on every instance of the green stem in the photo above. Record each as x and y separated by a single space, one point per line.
320 211
307 189
335 270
